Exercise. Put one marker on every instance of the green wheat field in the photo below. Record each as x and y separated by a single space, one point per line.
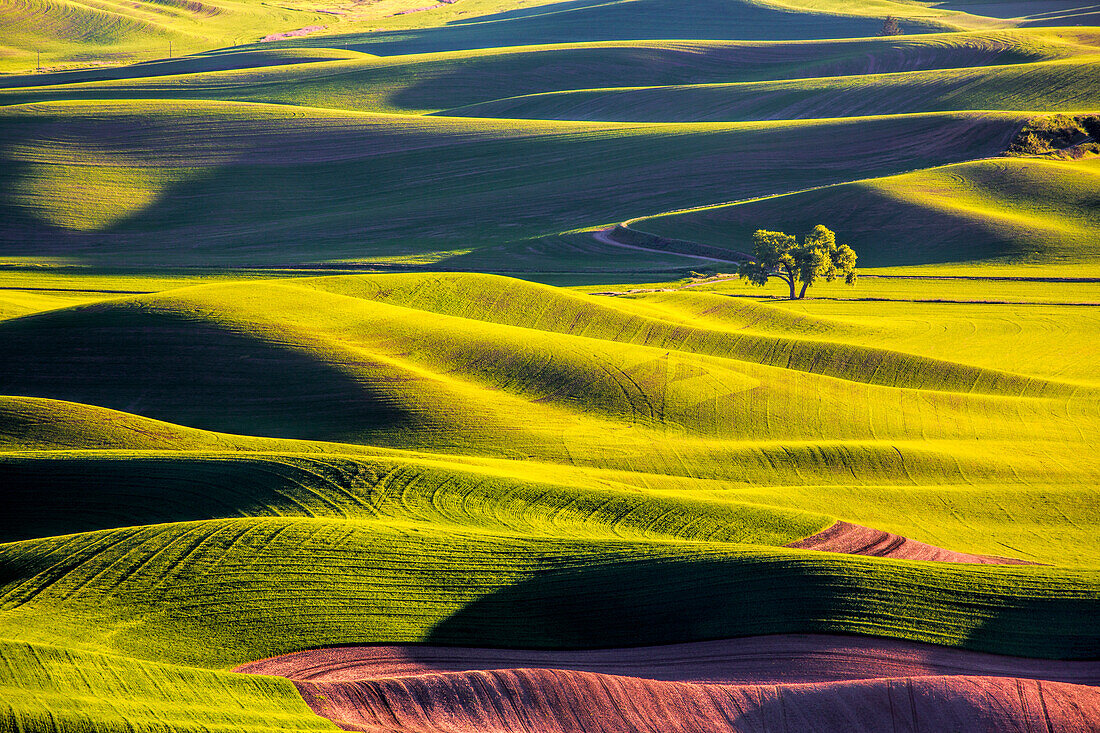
420 324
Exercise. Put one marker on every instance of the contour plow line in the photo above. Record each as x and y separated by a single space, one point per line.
853 539
774 683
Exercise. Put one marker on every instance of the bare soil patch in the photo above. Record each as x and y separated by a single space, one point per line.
775 659
292 34
784 682
555 701
853 539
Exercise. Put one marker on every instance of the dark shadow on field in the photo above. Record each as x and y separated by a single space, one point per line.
600 279
1088 16
600 20
1034 12
492 80
673 600
558 702
197 64
884 231
548 9
248 192
188 371
59 495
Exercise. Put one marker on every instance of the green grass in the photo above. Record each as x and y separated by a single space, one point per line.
594 20
44 687
1062 86
102 176
938 284
441 81
88 33
212 592
76 35
509 452
220 440
23 302
335 186
1009 210
650 393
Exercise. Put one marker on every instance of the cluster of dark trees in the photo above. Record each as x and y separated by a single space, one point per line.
890 27
818 257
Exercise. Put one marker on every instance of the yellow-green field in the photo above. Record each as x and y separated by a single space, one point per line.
332 339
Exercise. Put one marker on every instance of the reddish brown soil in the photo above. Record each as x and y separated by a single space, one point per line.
774 683
778 659
557 701
852 539
292 34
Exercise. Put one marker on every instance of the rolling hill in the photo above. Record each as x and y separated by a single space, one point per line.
94 33
114 183
447 515
371 366
1007 210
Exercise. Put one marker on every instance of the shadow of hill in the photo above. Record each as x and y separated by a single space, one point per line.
674 600
251 183
77 494
597 20
187 371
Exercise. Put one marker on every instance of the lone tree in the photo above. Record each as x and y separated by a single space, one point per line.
776 254
890 27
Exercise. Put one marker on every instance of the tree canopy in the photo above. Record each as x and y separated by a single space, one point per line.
779 255
890 27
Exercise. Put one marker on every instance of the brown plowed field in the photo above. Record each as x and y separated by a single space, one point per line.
558 701
795 682
852 539
778 659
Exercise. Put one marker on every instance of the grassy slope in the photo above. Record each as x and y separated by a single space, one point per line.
441 81
953 320
24 302
514 451
911 487
1008 210
83 33
649 474
149 182
388 370
1048 87
213 592
98 181
90 32
597 20
44 687
378 369
69 33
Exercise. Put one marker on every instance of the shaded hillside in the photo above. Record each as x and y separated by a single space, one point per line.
1011 209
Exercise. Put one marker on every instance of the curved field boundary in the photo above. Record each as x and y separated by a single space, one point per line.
191 151
553 701
623 236
852 539
1001 208
777 659
625 232
328 582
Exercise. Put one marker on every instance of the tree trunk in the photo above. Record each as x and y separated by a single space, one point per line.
802 294
790 281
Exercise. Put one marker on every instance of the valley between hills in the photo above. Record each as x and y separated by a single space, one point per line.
385 366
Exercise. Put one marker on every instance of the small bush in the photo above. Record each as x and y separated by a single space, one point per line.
1052 133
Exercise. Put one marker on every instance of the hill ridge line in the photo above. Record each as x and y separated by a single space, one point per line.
627 223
